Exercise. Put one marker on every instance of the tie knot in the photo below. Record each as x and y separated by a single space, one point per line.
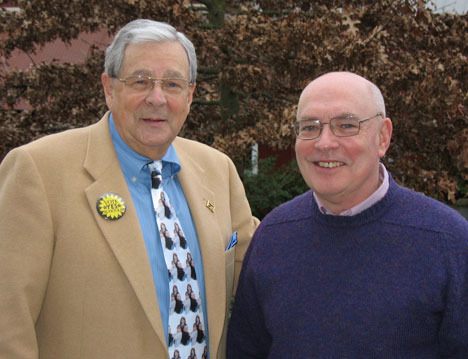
156 177
156 166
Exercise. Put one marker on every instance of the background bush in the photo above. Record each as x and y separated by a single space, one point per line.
272 185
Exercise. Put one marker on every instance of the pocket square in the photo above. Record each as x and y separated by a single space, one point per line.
232 241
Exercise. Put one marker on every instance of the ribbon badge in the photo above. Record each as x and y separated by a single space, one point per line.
111 206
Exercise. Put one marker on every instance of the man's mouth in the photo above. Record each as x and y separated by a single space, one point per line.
153 119
329 164
155 122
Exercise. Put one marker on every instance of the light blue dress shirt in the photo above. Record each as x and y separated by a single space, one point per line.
137 174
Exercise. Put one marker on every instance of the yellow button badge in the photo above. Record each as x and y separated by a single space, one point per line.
111 206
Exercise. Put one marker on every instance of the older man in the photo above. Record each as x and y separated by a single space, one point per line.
94 221
358 267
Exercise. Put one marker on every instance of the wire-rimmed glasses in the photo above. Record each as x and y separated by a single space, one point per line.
145 83
343 126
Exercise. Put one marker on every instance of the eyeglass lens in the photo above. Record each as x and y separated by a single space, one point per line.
341 127
147 83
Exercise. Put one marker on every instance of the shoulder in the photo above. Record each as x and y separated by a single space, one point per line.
58 139
202 155
417 210
296 210
63 152
426 211
54 147
286 225
186 145
68 141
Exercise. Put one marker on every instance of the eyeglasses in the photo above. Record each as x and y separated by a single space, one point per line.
142 83
340 126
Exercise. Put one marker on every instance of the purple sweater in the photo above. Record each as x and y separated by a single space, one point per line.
390 282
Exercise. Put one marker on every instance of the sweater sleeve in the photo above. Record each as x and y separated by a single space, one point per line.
453 333
248 336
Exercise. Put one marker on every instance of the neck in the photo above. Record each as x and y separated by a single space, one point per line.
342 202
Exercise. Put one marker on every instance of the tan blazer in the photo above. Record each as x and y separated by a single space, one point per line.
75 285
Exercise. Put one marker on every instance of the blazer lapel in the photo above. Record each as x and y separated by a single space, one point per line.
123 235
199 199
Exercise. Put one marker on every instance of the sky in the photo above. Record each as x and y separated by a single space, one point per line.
457 6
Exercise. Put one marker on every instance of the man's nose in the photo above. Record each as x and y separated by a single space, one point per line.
327 138
156 95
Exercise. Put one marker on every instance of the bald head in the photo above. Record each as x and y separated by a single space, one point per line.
347 85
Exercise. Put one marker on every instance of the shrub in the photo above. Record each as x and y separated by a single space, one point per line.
272 185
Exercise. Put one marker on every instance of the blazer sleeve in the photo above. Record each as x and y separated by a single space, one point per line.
26 246
242 220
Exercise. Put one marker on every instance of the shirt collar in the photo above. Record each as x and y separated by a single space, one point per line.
134 165
368 202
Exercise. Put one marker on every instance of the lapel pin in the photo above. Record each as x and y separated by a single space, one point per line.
111 206
210 205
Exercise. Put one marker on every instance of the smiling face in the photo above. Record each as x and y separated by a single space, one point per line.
342 171
149 121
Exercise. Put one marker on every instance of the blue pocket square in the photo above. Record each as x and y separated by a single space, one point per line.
232 241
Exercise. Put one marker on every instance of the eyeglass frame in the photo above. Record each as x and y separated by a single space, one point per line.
296 129
155 80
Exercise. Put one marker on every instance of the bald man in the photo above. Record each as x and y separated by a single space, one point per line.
357 267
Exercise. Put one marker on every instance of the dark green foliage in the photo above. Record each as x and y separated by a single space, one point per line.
272 185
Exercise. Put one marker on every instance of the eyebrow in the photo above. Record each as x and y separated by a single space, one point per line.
169 74
173 74
140 73
308 118
346 114
340 115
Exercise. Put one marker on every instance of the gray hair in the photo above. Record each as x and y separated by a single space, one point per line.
378 98
143 30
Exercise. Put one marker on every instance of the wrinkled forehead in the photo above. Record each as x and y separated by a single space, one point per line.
144 56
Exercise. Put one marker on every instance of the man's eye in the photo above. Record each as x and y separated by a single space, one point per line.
172 84
310 128
348 125
141 82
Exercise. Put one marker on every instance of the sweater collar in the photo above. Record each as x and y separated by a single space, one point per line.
369 214
367 203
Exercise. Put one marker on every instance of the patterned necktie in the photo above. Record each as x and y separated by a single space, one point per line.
186 330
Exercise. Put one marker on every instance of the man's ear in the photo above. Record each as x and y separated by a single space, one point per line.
107 85
191 91
385 136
